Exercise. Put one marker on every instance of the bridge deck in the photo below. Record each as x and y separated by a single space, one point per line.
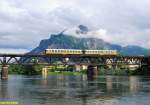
70 55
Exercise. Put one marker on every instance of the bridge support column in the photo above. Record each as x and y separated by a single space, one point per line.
44 72
4 72
77 67
92 72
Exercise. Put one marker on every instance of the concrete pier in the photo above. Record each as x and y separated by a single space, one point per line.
44 72
4 72
92 72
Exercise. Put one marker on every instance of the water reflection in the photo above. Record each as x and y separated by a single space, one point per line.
76 90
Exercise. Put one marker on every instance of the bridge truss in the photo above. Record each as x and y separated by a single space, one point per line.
81 59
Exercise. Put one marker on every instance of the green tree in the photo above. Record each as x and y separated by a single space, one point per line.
25 69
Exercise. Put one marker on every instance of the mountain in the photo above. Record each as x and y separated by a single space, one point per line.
134 50
69 42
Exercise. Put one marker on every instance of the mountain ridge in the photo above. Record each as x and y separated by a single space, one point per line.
64 41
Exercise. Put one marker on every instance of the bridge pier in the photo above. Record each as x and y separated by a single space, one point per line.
4 72
92 72
44 72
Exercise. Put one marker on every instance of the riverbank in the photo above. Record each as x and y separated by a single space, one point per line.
37 70
64 72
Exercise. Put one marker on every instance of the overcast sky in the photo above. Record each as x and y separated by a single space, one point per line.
23 23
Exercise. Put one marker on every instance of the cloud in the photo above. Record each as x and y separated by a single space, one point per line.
14 51
25 23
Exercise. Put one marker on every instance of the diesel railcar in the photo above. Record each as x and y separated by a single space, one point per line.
78 51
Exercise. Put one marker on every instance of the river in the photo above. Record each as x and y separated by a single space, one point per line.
76 90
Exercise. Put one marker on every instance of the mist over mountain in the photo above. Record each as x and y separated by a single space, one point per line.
64 41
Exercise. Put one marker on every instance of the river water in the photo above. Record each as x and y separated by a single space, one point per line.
76 90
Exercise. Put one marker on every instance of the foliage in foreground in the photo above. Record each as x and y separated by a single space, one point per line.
25 69
143 70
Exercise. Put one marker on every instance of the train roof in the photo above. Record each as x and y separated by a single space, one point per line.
81 50
64 49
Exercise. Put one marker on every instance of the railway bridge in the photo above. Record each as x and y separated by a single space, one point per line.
67 59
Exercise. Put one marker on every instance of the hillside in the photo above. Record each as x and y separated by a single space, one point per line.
69 42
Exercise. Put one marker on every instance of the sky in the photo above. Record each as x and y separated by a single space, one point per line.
23 23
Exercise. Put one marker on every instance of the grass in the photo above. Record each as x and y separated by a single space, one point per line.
64 72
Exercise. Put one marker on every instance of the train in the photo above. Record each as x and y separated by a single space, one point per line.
78 51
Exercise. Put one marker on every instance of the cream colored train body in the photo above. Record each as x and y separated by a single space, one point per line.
76 51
